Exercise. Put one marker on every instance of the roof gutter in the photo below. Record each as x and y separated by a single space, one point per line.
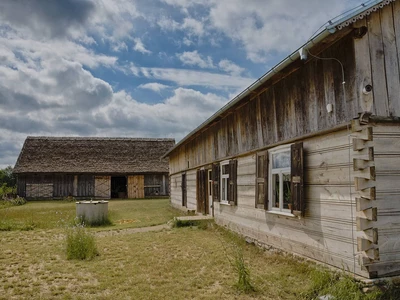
330 29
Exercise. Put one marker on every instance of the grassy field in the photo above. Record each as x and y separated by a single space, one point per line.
178 263
53 214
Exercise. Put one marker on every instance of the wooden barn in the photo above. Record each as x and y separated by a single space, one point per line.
98 168
307 159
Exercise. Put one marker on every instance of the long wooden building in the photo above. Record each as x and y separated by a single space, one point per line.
97 168
307 159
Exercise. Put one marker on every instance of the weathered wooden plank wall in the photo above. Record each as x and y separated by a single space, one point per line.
292 107
328 231
85 186
387 163
384 39
191 190
155 185
63 185
176 191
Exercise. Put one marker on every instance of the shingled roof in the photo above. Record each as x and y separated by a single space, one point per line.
93 155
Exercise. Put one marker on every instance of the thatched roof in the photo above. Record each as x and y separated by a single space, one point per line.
93 155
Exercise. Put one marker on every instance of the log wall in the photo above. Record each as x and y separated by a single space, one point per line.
386 139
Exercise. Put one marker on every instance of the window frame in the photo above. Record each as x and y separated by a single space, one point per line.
280 172
222 177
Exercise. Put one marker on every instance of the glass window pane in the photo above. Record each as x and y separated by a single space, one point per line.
275 190
225 169
224 186
281 160
260 199
286 191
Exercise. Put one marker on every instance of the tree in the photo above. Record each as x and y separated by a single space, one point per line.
7 177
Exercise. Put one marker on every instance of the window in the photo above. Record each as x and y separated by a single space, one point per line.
224 176
279 171
224 181
279 179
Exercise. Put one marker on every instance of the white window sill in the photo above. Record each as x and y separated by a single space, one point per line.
225 203
281 213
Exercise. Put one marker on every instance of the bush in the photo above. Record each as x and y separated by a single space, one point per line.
81 244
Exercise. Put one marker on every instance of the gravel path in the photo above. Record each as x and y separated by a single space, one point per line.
133 230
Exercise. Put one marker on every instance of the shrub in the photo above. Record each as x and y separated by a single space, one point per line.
81 244
201 224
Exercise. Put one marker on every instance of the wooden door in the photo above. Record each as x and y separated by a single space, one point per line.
202 203
102 187
136 186
184 191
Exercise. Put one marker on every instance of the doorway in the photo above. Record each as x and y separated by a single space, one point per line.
184 190
118 187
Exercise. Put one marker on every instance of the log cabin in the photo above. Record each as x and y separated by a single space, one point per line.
92 168
307 159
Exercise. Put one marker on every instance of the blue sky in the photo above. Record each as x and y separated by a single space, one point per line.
144 68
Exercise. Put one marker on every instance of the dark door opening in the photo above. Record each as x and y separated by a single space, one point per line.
184 191
118 187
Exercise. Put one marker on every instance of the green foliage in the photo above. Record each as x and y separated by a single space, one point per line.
338 285
80 243
201 224
7 177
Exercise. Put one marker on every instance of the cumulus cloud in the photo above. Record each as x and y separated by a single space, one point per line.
230 67
154 86
52 19
139 46
193 58
186 77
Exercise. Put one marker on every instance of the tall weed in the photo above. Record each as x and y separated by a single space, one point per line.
80 243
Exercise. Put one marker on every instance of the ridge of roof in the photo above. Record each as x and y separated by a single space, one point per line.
335 24
79 138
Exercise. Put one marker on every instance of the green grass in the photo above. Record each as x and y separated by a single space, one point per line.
56 214
182 263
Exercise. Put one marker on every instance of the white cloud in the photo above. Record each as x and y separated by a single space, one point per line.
230 67
139 46
193 26
154 86
195 59
186 77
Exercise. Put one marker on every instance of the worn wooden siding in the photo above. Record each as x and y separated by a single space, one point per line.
292 107
85 186
63 185
328 231
176 190
191 177
21 188
387 163
382 43
155 185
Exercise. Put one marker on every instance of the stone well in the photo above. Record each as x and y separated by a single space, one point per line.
92 212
